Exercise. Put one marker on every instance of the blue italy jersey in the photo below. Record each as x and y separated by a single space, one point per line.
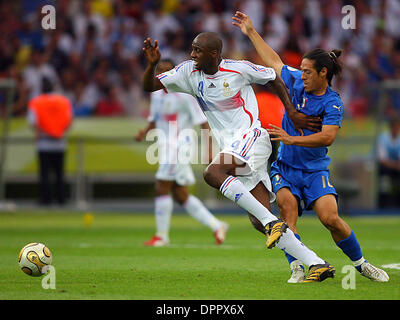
328 106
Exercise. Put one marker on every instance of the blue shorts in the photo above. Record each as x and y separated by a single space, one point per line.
306 186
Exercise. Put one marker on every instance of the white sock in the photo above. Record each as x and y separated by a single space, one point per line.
163 210
359 262
234 190
297 249
197 210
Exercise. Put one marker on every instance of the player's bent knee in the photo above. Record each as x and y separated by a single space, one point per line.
287 210
207 175
331 222
161 191
213 177
180 196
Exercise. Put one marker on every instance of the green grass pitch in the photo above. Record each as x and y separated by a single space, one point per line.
108 261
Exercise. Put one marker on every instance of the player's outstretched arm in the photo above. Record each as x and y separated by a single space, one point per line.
300 120
267 54
153 56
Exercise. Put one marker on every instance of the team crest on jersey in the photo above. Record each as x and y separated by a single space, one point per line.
303 104
170 72
226 91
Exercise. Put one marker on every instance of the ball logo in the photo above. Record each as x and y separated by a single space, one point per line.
33 257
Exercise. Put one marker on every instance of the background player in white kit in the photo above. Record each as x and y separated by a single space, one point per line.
223 89
172 114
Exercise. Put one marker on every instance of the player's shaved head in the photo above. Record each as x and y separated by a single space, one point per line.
210 40
206 52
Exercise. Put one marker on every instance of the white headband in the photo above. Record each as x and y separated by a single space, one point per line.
332 54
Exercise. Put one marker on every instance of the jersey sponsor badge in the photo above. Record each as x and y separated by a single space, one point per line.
338 108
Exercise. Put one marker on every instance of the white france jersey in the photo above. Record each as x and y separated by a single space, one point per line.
226 97
172 114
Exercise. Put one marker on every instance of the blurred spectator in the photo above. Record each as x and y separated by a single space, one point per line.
91 93
389 166
176 51
10 23
55 54
36 70
130 95
95 40
29 34
68 82
160 23
291 54
109 104
379 60
207 18
275 27
50 115
79 103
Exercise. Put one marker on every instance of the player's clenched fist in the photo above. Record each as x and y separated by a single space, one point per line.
151 52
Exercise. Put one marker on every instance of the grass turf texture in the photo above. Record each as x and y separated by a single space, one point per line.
108 261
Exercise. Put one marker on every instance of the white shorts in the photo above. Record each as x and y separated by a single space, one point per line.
254 148
182 174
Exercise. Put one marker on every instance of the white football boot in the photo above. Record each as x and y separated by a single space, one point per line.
298 273
375 274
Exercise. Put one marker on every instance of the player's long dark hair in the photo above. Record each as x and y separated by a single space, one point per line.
329 60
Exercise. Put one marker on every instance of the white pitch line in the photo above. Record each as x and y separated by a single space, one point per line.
180 246
391 266
218 247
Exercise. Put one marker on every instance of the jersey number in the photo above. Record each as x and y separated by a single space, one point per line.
325 181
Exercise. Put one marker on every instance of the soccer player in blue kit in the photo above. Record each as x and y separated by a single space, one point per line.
301 172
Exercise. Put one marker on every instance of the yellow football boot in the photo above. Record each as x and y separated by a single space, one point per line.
275 229
320 272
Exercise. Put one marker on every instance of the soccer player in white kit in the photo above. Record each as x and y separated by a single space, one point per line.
174 115
223 89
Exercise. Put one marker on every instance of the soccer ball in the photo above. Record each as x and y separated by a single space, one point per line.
34 259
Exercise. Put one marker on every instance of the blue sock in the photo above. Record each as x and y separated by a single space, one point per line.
352 249
290 258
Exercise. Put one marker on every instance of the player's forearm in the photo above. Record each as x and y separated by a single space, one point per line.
267 54
142 133
315 140
391 164
149 79
149 127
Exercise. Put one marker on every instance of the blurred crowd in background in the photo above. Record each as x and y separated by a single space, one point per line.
94 56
